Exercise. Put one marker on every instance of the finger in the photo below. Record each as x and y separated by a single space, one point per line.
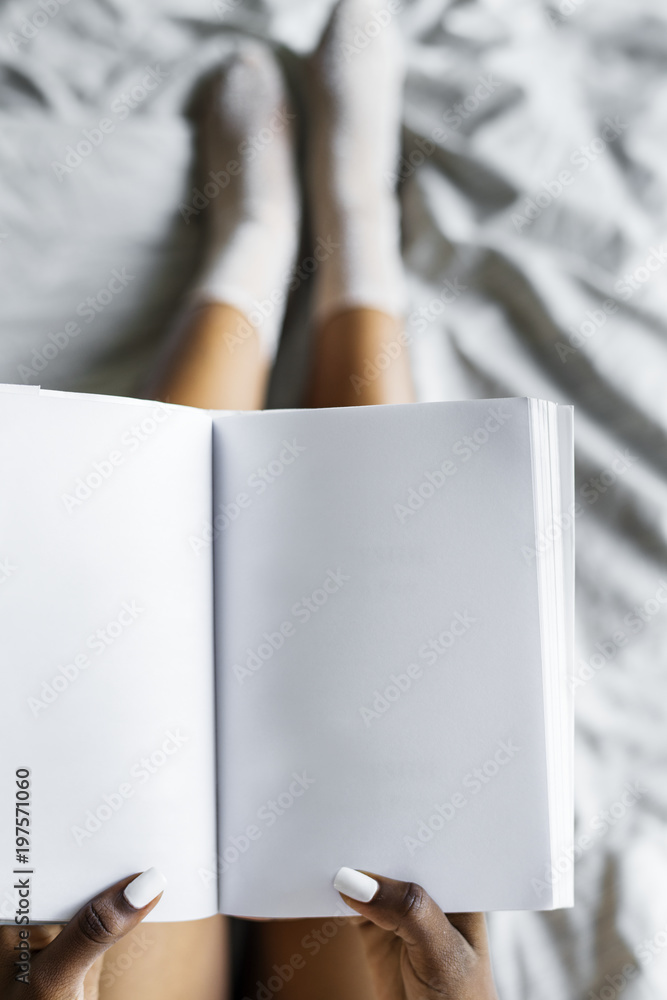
402 907
472 926
13 939
410 908
98 925
40 935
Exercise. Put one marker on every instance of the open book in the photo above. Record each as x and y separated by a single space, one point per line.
249 648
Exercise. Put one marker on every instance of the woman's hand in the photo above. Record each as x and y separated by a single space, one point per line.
414 951
65 963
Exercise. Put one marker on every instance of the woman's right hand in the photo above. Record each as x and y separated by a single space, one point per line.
414 950
65 963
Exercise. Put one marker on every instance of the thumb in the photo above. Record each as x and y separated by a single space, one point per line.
401 907
97 926
447 954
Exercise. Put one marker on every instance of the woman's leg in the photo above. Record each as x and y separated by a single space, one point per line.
360 354
221 361
360 357
179 961
228 337
325 958
220 365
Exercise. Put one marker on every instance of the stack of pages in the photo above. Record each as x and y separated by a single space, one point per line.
249 648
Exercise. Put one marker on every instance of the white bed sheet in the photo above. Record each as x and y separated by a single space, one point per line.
538 83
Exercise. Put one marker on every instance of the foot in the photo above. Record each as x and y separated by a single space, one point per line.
356 91
251 191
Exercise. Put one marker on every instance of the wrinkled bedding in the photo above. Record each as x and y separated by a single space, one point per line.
534 193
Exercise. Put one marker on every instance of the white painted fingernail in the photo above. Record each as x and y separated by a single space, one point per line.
144 888
355 884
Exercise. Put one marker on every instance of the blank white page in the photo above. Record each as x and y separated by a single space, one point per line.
378 656
107 676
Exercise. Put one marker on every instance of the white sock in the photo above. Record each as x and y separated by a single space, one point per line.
356 86
248 156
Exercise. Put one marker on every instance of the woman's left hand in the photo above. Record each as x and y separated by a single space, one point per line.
52 963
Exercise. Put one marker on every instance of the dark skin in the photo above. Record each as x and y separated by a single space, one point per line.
66 961
416 952
377 953
413 950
